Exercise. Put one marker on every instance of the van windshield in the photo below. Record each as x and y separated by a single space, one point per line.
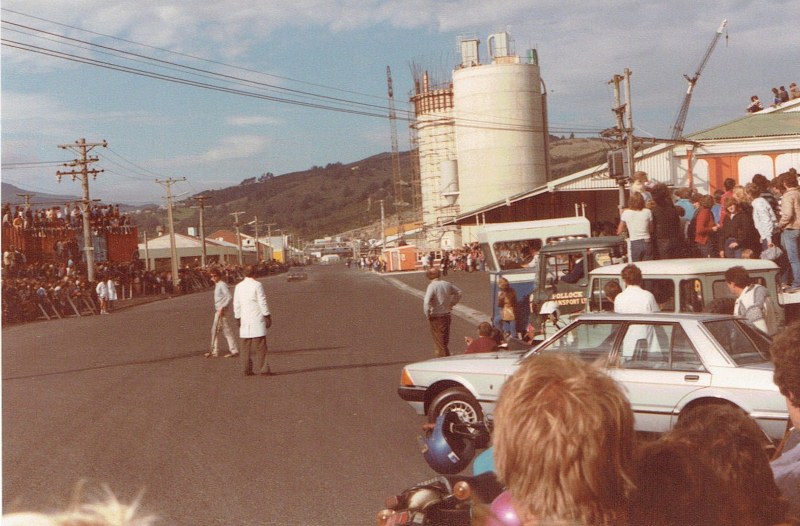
517 254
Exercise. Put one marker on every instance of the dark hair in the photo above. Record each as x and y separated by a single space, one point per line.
249 271
485 329
730 447
789 179
611 289
631 274
738 276
728 184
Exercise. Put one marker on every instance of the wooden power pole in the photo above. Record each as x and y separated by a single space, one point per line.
81 165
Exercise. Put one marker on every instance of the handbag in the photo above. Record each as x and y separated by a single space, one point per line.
508 313
772 253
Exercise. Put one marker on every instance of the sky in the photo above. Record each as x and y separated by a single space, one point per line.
283 72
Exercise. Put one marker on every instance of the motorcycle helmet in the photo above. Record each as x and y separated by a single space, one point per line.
444 451
549 307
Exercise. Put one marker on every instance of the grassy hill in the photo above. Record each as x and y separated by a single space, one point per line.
330 200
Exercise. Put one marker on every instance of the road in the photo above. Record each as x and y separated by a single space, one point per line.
129 401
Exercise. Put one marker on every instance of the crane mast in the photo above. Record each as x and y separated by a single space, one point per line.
396 177
677 128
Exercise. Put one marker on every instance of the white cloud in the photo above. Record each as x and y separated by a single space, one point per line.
251 120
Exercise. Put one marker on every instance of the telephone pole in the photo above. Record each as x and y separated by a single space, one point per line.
81 165
269 239
167 183
238 237
622 134
202 200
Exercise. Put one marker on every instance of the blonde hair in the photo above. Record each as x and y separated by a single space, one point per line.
107 511
564 442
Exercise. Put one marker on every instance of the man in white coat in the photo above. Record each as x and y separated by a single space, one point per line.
102 294
251 310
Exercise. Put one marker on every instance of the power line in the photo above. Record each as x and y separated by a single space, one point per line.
369 111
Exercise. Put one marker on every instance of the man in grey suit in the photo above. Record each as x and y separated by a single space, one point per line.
250 308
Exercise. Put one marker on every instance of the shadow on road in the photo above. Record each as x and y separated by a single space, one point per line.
108 366
337 367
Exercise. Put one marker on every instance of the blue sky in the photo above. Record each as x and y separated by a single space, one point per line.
156 129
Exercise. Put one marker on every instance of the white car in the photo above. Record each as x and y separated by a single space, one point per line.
667 363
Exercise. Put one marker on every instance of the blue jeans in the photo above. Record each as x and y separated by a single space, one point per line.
641 250
789 240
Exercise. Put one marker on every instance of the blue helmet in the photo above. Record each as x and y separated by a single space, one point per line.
445 451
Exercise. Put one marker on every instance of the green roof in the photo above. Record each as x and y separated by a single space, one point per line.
751 126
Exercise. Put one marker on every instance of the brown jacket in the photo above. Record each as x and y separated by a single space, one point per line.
790 210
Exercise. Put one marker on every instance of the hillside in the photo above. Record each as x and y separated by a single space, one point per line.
329 200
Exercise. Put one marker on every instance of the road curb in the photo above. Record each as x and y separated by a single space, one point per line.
471 315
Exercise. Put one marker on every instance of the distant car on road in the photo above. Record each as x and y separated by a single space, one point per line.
667 363
296 274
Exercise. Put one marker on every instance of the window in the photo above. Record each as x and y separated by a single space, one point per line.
744 344
691 295
658 346
598 301
589 341
664 292
517 254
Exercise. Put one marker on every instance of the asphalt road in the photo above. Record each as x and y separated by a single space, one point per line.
129 401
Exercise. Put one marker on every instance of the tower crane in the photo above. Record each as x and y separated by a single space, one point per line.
396 177
677 128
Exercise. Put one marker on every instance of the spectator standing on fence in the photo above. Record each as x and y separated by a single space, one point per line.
222 317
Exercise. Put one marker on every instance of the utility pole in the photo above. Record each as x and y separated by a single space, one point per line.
202 200
269 239
82 148
167 183
383 228
238 237
623 135
258 246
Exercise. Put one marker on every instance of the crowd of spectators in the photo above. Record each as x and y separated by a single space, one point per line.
66 217
779 96
37 290
734 222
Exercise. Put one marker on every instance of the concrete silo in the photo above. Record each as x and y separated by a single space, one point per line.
500 124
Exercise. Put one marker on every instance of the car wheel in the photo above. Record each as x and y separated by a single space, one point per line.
459 400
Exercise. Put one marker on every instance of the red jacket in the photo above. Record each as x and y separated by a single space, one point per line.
703 226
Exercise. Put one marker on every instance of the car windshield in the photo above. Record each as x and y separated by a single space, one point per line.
743 343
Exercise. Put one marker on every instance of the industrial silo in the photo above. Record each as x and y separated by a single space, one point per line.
499 125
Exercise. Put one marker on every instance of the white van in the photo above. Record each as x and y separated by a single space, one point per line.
686 285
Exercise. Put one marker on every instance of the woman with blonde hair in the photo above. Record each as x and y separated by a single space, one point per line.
564 442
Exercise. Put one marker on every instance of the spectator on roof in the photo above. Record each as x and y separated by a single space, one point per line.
755 105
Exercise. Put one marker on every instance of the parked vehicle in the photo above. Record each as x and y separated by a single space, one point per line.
668 363
296 274
686 285
545 260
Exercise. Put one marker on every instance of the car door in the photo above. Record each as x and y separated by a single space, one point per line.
658 366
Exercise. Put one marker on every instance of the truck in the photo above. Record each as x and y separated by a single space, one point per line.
545 260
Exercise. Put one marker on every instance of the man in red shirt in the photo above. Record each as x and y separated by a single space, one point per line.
485 341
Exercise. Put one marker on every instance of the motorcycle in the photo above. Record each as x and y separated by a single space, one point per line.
445 500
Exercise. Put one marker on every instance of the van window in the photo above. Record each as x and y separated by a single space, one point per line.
517 254
598 301
568 267
691 295
664 292
721 290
